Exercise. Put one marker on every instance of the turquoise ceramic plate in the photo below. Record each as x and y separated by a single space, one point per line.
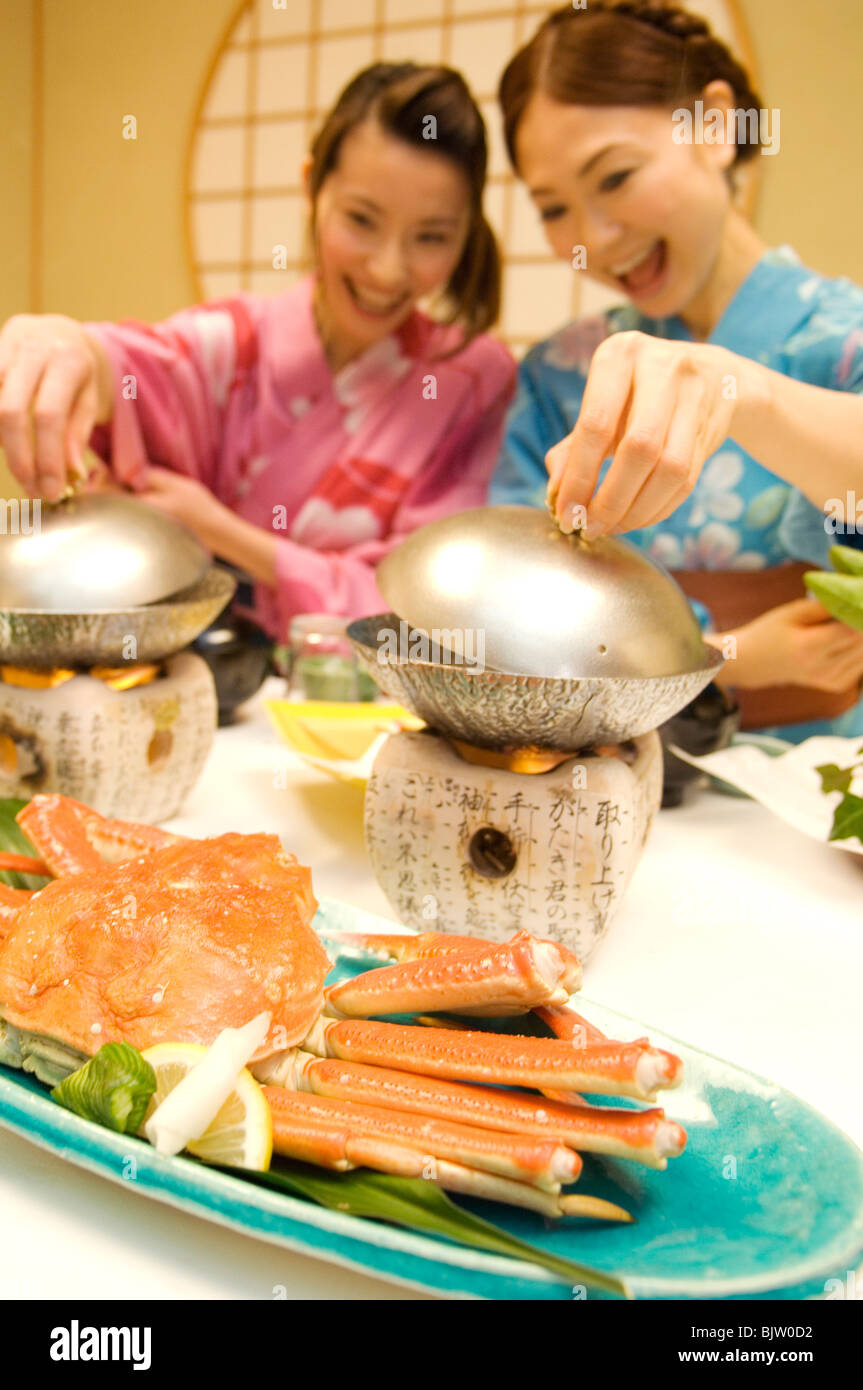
766 1201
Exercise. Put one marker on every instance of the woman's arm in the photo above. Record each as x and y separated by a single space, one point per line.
797 643
152 392
241 543
170 383
304 579
661 408
786 424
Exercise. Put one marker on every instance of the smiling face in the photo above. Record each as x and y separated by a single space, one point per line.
391 222
650 213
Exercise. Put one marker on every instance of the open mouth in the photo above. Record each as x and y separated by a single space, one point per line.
375 306
642 276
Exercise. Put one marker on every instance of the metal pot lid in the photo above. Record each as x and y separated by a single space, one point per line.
96 551
521 597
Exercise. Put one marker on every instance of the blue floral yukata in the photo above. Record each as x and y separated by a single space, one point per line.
739 516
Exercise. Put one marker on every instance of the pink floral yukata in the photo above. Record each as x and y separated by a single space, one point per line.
238 394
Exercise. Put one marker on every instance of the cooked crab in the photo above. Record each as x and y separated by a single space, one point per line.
149 937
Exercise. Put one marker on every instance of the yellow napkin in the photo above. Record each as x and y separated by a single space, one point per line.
332 731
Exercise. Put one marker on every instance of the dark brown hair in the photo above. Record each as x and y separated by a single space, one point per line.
401 97
621 53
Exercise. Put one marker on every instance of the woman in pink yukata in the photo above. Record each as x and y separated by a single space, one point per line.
302 435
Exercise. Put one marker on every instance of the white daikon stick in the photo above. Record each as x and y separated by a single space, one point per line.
188 1111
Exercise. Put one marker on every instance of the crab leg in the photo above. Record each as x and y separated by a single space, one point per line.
300 1130
625 1069
563 1021
643 1135
568 1033
493 981
569 1026
72 838
22 864
543 1161
431 944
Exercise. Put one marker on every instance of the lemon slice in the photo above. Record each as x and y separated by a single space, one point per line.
241 1135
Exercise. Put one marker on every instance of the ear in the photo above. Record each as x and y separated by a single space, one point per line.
719 120
306 176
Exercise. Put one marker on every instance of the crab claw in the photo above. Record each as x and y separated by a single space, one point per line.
643 1135
484 980
431 944
72 838
610 1068
341 1135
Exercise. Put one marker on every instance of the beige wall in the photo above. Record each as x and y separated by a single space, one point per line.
809 58
112 223
16 154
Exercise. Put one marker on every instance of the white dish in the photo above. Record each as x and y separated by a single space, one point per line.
786 783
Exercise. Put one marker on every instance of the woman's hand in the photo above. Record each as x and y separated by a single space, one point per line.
660 409
55 385
797 643
183 498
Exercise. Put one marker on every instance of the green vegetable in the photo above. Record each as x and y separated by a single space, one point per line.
841 594
14 841
112 1089
846 560
835 778
421 1206
848 816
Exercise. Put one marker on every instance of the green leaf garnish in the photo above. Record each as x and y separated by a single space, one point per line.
835 778
421 1206
848 818
846 560
841 595
112 1089
14 841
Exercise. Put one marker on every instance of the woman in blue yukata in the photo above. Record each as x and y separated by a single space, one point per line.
716 417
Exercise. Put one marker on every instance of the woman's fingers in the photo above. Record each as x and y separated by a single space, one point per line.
555 461
832 653
81 422
48 398
657 463
806 611
606 394
63 380
837 675
21 377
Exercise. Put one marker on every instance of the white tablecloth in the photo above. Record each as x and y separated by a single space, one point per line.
737 934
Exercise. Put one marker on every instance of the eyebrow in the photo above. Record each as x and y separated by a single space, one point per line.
441 220
585 169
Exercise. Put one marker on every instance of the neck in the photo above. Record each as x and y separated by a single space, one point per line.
338 349
740 250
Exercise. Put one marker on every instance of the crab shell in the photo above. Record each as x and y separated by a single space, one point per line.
174 945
